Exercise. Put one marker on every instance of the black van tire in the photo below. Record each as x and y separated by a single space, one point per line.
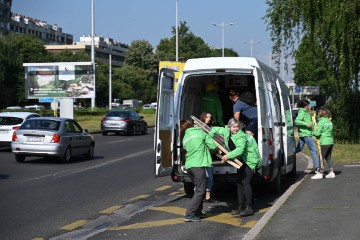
292 174
274 186
189 188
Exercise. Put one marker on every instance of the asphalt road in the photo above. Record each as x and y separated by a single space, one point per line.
113 196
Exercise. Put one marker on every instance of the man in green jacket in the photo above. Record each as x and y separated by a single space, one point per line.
241 145
324 132
210 102
197 144
305 130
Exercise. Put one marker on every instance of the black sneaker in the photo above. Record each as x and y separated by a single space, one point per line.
238 210
201 215
191 218
247 212
210 200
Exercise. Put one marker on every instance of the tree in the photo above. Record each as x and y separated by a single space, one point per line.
334 26
190 46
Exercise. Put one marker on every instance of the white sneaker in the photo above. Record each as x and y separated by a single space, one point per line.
330 175
317 176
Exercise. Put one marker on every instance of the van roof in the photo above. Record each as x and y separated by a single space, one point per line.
220 62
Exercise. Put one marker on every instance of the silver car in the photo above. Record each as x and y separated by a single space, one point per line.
52 137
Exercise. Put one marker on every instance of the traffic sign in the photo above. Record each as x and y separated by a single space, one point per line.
306 90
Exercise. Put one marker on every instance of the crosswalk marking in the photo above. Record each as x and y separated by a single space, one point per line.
163 188
112 209
139 197
74 225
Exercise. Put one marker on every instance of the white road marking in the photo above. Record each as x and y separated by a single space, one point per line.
124 140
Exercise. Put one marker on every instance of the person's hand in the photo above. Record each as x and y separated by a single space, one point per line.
225 157
308 125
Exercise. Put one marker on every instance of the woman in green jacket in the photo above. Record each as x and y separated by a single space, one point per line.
305 130
197 144
324 132
241 145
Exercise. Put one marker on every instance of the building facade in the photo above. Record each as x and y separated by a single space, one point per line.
105 48
49 34
5 16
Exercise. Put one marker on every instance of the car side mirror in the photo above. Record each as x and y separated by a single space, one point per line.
86 131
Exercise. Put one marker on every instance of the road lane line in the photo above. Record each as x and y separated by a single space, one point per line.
139 197
124 140
65 173
74 225
149 224
112 209
163 188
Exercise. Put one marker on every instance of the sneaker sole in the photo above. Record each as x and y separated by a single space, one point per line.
191 220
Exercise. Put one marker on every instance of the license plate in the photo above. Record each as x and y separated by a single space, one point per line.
4 132
33 139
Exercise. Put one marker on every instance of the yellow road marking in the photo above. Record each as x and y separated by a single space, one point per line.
112 209
264 210
163 188
149 224
174 210
175 193
74 225
139 197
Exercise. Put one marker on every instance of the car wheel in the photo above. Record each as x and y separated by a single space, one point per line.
189 188
67 156
19 158
134 130
103 133
90 153
145 130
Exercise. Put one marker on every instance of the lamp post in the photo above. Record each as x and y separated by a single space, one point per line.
251 43
93 51
177 34
222 25
110 77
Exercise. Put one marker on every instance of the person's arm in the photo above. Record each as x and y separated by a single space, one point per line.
319 129
237 116
240 143
299 120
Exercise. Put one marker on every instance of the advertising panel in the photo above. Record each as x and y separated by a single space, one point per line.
177 66
59 80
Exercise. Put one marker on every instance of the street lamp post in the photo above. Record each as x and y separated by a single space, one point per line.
222 25
177 34
110 77
93 51
251 43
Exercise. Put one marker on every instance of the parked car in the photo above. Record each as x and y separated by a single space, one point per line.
146 106
62 138
14 108
123 121
9 122
35 107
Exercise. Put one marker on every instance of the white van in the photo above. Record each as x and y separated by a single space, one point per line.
275 125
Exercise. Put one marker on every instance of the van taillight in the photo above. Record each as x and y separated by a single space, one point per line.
271 145
55 138
14 137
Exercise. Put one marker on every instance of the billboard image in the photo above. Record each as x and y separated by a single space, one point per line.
59 80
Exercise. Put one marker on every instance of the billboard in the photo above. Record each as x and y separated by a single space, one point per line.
59 80
177 66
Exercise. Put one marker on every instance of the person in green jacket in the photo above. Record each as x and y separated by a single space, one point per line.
324 132
196 144
305 130
241 145
210 102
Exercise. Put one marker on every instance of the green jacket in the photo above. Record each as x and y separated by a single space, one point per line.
246 146
303 118
211 103
324 131
197 143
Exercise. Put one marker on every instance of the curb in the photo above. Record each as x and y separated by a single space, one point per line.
252 234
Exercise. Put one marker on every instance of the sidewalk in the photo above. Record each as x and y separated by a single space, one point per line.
317 209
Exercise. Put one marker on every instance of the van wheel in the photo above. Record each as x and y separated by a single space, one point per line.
19 158
275 186
189 188
292 174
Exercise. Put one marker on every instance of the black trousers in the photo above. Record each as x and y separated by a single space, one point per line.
198 177
244 188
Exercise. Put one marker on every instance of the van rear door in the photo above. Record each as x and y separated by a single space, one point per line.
164 124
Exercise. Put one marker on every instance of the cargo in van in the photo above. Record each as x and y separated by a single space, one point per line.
275 133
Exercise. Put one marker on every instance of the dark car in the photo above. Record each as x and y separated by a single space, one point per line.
123 121
51 137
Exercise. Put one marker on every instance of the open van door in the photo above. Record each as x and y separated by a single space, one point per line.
287 132
164 123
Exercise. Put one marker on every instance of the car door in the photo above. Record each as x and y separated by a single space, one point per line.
73 137
164 123
84 138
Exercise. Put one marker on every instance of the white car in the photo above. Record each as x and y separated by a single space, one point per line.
9 122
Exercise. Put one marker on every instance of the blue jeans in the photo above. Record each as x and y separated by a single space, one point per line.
209 178
312 147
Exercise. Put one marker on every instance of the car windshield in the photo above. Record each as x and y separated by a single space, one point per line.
10 120
118 114
41 124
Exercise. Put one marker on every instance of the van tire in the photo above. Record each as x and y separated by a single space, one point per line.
292 174
274 186
189 188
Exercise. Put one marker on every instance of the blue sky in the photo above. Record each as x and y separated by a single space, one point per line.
151 20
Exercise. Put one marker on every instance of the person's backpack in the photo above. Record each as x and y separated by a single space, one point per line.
248 97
